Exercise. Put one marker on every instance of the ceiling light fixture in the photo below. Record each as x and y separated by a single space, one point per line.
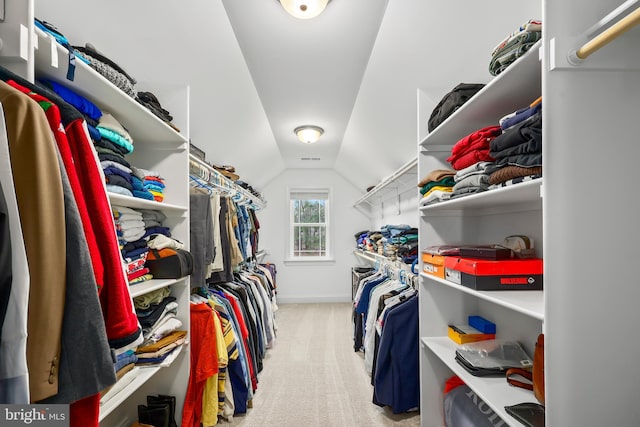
304 9
308 133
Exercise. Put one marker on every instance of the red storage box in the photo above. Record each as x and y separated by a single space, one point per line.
488 275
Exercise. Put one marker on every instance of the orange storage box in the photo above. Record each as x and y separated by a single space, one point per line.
489 275
433 264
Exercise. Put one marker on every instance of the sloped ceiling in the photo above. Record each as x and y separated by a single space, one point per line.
306 71
255 73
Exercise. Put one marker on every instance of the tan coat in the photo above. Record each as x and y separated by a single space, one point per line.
41 205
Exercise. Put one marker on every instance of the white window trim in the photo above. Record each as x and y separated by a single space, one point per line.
328 258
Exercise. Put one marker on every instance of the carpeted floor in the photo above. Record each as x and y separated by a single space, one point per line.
312 376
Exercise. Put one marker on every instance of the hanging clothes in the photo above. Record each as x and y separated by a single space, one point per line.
40 201
397 376
14 386
204 362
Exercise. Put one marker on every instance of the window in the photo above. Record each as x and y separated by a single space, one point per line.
309 224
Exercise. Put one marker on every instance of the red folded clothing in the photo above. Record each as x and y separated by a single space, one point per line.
471 158
476 139
137 274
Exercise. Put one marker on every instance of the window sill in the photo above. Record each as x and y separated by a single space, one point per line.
309 261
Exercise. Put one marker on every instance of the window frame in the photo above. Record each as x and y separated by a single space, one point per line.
324 193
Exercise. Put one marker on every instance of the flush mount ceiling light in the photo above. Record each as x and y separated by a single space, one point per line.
304 9
308 133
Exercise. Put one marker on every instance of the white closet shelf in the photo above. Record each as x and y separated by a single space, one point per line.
137 203
151 285
52 62
399 182
146 373
502 95
530 303
523 196
495 391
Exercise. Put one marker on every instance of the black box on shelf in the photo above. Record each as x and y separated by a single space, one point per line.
492 252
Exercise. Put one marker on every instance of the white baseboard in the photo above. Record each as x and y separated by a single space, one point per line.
312 300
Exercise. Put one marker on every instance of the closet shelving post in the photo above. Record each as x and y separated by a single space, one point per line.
157 147
590 118
477 219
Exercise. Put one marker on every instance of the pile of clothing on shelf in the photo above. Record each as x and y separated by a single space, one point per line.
108 69
392 241
249 188
514 46
161 328
163 337
492 157
149 100
138 231
112 143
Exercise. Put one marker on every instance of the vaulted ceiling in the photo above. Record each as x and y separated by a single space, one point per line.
307 71
255 73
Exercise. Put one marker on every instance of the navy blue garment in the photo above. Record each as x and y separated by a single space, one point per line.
238 375
397 375
363 302
238 385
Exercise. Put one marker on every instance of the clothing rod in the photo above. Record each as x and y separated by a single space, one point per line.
610 18
608 35
246 196
383 261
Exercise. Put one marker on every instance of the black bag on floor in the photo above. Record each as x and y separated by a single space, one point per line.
451 102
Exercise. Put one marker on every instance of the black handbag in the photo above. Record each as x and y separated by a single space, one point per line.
451 102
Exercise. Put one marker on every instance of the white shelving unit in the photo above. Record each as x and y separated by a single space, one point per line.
477 219
587 241
158 147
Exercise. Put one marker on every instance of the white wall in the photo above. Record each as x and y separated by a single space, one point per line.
312 282
392 212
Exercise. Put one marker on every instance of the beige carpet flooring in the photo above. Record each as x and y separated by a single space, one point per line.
312 376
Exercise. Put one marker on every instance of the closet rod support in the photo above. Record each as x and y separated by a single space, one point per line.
604 38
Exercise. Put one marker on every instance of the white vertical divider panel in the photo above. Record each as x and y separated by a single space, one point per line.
590 228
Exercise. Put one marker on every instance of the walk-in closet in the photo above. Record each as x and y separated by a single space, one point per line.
318 213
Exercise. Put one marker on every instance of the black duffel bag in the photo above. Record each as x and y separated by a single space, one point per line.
451 102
